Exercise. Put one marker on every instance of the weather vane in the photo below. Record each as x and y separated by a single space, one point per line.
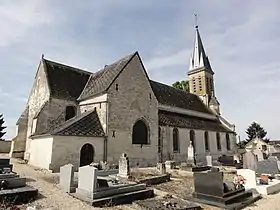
196 20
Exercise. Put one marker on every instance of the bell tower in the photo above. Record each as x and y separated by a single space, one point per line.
201 75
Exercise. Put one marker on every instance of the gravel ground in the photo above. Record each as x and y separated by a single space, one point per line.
52 198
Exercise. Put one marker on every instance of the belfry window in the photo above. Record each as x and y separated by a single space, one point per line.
70 112
140 133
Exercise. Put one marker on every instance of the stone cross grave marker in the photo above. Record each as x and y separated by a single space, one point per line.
87 178
66 177
208 160
250 161
124 169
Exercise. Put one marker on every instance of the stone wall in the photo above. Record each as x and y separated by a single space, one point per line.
19 142
131 101
39 95
101 105
184 141
66 150
5 146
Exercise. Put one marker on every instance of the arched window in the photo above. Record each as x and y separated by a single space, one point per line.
175 140
159 140
228 141
206 141
218 139
140 133
192 138
70 112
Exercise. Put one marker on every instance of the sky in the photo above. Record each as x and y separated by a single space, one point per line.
241 38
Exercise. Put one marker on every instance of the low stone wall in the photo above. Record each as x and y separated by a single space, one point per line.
5 146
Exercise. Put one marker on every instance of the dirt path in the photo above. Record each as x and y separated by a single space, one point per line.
52 198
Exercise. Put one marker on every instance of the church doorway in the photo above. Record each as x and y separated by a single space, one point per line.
86 155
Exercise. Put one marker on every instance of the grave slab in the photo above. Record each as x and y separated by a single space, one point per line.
268 167
19 195
272 187
123 198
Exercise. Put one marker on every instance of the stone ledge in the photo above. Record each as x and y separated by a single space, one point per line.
155 180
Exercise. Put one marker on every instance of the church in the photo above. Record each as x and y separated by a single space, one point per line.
78 117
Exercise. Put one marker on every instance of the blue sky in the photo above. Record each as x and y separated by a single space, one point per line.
241 38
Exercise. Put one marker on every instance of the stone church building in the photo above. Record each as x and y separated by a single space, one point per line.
75 116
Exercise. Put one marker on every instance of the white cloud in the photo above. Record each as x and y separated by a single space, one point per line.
17 18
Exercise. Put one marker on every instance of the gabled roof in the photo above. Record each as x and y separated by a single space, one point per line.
24 115
191 122
171 96
101 80
86 124
65 82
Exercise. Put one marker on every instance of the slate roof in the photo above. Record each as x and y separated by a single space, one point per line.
101 80
86 124
65 82
191 122
171 96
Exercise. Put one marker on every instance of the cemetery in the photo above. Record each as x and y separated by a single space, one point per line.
167 185
13 188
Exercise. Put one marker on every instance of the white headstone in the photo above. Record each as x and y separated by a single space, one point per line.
259 154
190 152
124 169
66 177
87 178
208 160
249 176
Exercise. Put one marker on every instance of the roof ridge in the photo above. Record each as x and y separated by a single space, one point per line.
68 66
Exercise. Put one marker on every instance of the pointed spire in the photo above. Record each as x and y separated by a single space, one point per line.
199 58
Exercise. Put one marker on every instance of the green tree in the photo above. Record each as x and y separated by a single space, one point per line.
255 130
183 85
2 127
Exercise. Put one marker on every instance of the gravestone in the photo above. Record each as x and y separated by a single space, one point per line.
208 160
249 176
268 167
170 164
66 177
275 158
87 179
259 154
190 160
161 169
124 169
250 161
211 189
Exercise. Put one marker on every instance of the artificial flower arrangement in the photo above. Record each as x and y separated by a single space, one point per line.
239 181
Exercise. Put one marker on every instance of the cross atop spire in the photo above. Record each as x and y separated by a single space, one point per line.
199 58
196 20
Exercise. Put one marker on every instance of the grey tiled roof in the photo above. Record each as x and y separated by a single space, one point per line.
65 82
171 96
86 124
101 80
191 122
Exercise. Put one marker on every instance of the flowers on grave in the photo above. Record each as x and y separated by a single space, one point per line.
239 181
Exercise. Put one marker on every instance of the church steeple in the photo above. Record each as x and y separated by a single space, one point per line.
201 79
199 59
